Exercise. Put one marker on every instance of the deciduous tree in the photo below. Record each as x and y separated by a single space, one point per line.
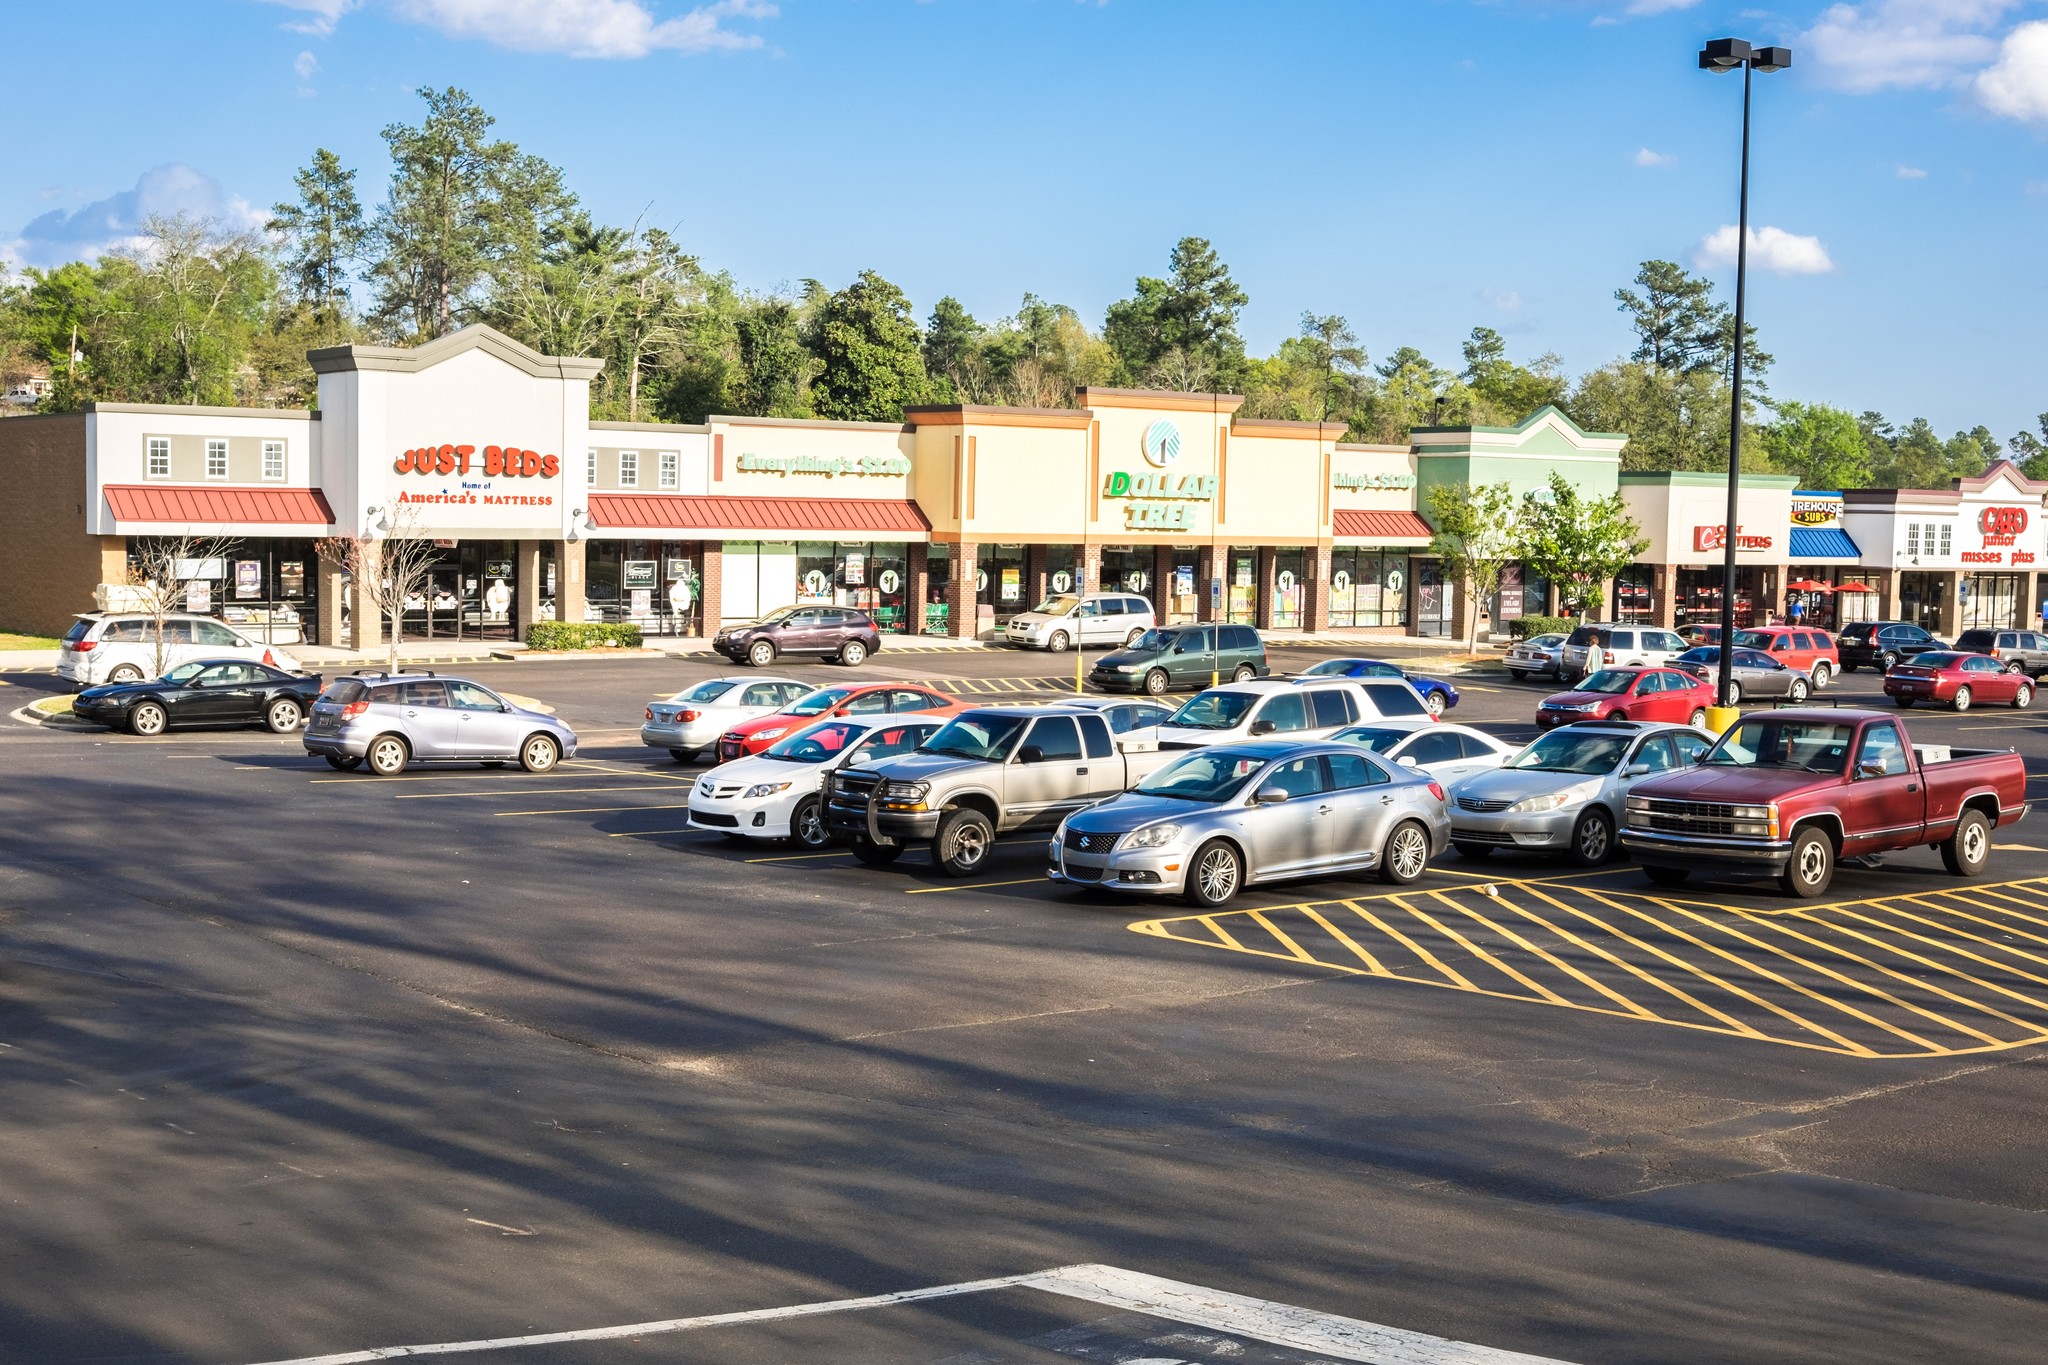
1822 445
1473 533
1578 543
866 342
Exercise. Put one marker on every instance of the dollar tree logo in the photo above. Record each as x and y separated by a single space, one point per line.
1162 443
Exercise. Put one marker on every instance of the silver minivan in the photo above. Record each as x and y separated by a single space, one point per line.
391 720
1068 620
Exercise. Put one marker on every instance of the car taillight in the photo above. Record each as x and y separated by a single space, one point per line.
1438 792
688 715
354 709
83 646
650 713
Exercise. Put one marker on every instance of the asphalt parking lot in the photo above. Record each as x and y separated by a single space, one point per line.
304 1063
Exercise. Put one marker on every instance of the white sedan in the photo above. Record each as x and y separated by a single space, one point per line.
1448 753
692 720
774 794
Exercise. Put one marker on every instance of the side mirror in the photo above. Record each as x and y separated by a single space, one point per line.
1268 796
1410 761
1263 727
1636 770
1180 649
841 711
1031 753
1870 770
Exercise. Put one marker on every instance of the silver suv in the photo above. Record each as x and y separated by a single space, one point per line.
389 720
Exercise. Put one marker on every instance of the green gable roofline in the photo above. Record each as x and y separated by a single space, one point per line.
1544 432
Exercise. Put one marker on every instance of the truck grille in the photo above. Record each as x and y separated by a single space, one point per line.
851 792
1090 843
1479 807
1685 817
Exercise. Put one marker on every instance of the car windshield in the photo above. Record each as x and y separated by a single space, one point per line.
1372 737
1545 642
1213 711
818 743
1572 750
1818 746
1753 639
1205 775
1610 680
984 736
1059 605
820 701
1975 641
183 673
779 614
1154 641
1936 660
1701 654
1330 668
706 691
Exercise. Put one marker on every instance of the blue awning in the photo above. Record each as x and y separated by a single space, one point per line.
1822 542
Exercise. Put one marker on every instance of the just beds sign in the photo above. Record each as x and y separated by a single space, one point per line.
454 478
507 461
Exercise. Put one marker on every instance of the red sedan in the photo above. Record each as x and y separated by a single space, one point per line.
863 699
1666 694
1961 680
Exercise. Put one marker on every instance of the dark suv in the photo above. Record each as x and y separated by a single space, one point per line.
836 632
1880 644
2021 651
1183 656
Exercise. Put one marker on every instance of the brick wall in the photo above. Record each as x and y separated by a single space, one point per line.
49 566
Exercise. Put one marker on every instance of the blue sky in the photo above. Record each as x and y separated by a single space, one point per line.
1420 166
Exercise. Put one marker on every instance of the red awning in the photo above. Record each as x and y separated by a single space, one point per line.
659 512
1384 527
214 506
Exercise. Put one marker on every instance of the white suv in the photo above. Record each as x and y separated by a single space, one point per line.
1621 646
1292 709
113 647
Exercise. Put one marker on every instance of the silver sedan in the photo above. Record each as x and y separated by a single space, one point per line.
1752 673
1223 818
1564 793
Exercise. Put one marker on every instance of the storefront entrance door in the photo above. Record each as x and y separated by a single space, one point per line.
1432 599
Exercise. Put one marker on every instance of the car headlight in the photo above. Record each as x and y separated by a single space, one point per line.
1128 668
1152 836
770 734
765 789
1531 805
905 791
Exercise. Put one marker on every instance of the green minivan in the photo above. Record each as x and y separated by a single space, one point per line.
1183 656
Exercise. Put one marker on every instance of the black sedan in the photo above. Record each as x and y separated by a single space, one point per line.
203 692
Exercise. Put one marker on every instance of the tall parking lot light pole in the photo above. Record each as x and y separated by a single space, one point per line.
1722 56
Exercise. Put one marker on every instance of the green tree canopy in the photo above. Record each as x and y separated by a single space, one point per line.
1180 332
1578 543
1822 445
1473 532
323 233
1504 393
869 364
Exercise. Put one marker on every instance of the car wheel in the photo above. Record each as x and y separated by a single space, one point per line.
1967 852
387 756
1473 851
1406 856
126 673
1798 691
1518 675
685 755
1698 718
853 652
1057 642
1667 876
1821 675
1812 866
284 716
2023 698
1593 838
147 720
1734 692
539 753
342 764
876 855
1214 875
2016 666
1962 698
1155 682
807 825
1903 702
965 842
1435 702
1886 660
1133 635
761 653
1244 673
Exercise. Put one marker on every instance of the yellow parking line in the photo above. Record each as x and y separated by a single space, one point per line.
592 810
1895 949
1989 923
1223 933
1544 953
1259 917
1409 943
1548 994
373 779
559 791
1370 961
970 886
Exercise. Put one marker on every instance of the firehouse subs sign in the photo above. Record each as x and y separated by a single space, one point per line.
477 474
2000 529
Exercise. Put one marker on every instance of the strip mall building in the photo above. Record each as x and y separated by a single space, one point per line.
947 523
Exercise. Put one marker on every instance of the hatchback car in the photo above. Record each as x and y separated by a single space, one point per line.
203 692
2022 651
1448 753
1437 694
1217 820
1077 620
1661 694
1299 710
1542 655
104 646
1565 792
1880 644
1752 673
1620 646
1183 656
691 721
775 794
1960 680
839 633
1809 651
868 699
392 720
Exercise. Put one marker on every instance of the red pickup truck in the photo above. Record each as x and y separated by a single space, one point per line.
1787 794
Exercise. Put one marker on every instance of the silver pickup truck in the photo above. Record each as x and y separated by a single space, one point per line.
989 771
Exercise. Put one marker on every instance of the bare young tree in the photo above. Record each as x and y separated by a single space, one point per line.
387 568
158 570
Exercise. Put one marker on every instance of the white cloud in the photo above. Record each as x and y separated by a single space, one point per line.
1645 157
1901 44
324 14
2017 85
587 28
1505 300
1770 248
1658 6
1912 173
116 221
304 65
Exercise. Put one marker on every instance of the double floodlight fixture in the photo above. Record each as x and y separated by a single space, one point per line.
1724 55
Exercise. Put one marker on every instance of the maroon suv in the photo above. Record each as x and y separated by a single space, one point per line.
835 632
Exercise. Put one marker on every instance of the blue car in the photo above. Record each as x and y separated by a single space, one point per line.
1437 694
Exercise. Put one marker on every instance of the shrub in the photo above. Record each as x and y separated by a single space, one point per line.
1527 626
550 635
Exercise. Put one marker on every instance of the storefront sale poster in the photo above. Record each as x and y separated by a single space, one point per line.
643 601
854 570
291 578
199 596
637 573
1013 584
248 578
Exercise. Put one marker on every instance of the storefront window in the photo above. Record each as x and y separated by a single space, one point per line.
1290 586
1062 568
1991 601
264 588
1632 598
1241 588
1850 604
1129 568
1368 587
1922 597
1432 599
938 575
1699 595
999 581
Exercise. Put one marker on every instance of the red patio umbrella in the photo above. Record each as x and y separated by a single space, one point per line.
1809 585
1854 587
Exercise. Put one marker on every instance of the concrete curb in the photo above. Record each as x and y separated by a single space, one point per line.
541 656
28 715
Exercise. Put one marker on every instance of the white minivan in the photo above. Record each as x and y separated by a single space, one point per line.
1062 622
106 646
1286 709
